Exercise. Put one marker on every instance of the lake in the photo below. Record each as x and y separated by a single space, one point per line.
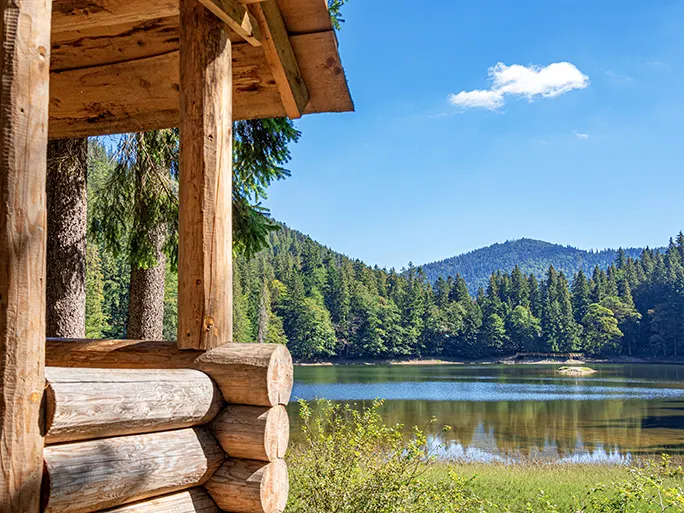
511 412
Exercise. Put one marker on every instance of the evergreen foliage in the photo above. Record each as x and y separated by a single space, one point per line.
532 256
323 304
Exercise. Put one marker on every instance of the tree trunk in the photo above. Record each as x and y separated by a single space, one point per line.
66 237
146 298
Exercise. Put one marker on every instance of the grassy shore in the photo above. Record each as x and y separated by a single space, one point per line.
517 487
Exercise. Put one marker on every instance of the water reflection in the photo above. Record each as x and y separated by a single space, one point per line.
505 413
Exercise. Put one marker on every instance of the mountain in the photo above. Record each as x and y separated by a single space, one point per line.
533 257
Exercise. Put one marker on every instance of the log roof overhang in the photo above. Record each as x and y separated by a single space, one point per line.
115 63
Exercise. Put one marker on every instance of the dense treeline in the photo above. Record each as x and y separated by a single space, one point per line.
533 257
322 304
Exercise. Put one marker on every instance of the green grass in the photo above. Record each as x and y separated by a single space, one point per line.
513 487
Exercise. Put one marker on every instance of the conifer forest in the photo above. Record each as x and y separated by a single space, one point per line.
324 305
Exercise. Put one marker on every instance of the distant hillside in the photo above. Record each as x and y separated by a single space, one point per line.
533 257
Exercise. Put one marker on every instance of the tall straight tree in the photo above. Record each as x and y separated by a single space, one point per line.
66 189
136 209
136 214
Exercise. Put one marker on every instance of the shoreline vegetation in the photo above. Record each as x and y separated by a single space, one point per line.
510 360
349 460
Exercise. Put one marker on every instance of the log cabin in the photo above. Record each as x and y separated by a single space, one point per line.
196 425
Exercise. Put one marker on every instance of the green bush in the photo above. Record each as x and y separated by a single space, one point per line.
347 460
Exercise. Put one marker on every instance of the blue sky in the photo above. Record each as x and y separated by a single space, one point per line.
587 153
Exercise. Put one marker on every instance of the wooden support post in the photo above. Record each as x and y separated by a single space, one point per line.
205 274
24 94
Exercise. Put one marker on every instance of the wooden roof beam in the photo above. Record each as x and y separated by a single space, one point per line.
281 57
237 17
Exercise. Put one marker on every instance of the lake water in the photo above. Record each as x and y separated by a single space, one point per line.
511 412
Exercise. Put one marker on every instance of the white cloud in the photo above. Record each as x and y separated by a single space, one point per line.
580 135
528 81
484 98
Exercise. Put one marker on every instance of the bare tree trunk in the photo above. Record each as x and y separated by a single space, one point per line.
146 298
66 237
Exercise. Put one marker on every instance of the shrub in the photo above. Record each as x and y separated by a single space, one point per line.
349 461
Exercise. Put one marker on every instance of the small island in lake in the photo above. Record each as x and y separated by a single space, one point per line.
575 371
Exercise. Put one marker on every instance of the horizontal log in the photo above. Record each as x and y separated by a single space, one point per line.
253 432
89 476
83 404
117 354
195 500
246 486
257 374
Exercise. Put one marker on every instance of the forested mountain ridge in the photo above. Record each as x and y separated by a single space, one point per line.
532 256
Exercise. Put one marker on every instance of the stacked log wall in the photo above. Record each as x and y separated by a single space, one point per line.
179 440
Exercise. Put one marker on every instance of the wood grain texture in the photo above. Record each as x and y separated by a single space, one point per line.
281 57
256 374
89 476
195 500
305 16
83 404
143 94
205 247
117 354
24 93
253 432
246 486
87 48
129 96
236 16
70 15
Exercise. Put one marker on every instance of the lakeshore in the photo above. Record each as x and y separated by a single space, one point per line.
508 360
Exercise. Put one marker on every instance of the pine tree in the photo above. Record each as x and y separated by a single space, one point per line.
581 293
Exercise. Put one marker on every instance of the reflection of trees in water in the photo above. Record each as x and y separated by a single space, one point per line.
564 428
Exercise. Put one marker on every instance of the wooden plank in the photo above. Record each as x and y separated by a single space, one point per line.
114 44
82 404
144 95
236 16
253 432
98 474
131 96
258 374
195 500
205 248
305 16
24 93
281 57
69 15
246 486
323 72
